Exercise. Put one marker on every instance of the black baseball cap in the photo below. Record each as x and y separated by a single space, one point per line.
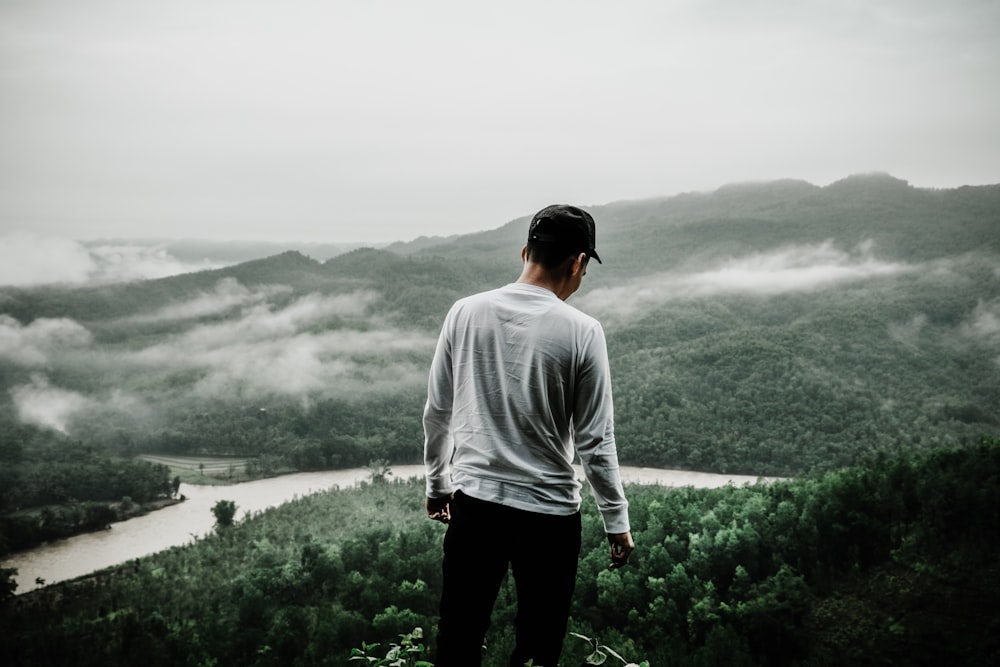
567 226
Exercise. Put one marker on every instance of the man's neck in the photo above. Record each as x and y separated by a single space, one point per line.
534 274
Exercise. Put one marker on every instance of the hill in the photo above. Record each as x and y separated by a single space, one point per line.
764 328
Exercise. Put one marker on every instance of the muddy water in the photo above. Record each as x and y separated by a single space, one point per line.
187 521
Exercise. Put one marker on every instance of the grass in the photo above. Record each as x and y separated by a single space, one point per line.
204 470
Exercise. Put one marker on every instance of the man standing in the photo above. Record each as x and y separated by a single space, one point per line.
519 385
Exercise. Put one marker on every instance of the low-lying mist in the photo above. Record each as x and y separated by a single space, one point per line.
253 346
267 346
801 268
28 259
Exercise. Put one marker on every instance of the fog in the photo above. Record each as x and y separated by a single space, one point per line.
268 347
908 333
227 294
30 259
35 343
794 268
380 121
43 405
290 351
983 328
263 344
985 321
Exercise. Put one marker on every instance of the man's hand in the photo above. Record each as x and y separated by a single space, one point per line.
621 547
439 509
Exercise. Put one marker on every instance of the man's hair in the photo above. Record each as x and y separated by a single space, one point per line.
549 255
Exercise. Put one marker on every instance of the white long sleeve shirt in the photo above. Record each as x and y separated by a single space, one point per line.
519 382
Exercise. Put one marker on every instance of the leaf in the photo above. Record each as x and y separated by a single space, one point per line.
598 657
608 649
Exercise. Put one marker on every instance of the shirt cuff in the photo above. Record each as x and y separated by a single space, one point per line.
616 521
438 488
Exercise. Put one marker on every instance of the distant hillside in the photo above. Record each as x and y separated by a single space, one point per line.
762 328
196 251
901 221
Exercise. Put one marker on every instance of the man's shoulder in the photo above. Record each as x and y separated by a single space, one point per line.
478 297
585 320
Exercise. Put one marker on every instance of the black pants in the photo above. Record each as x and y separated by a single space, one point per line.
542 551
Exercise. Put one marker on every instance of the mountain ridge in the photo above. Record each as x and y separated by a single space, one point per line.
764 329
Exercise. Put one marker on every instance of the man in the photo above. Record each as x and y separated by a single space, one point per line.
520 382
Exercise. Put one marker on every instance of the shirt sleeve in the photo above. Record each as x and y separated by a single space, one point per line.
594 432
438 442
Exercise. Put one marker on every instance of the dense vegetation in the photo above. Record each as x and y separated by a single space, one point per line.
888 562
771 329
60 487
768 329
778 386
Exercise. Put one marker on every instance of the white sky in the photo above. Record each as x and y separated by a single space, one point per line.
384 120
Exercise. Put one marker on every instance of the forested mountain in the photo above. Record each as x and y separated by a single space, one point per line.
771 328
764 328
194 252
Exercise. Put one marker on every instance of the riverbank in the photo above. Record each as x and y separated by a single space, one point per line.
195 472
192 519
52 523
38 526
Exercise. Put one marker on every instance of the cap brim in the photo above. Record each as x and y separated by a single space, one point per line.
593 253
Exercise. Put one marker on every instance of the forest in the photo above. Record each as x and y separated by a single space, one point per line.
890 561
771 329
61 488
845 336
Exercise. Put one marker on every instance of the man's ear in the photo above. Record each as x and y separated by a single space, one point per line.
571 267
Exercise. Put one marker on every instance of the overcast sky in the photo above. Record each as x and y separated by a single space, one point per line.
385 120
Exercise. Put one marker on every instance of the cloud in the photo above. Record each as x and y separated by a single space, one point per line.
30 259
786 270
984 322
313 346
909 333
227 294
124 261
41 404
35 343
337 363
27 259
325 345
258 321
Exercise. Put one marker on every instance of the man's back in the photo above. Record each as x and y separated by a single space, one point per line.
528 381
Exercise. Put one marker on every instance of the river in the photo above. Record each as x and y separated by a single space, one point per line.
187 521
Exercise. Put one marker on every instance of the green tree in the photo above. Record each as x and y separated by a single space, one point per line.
7 583
225 513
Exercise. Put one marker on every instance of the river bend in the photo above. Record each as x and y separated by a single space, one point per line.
187 521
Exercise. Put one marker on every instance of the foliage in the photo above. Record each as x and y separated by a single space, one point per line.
601 652
744 382
379 471
7 583
224 512
408 652
876 392
896 552
64 487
